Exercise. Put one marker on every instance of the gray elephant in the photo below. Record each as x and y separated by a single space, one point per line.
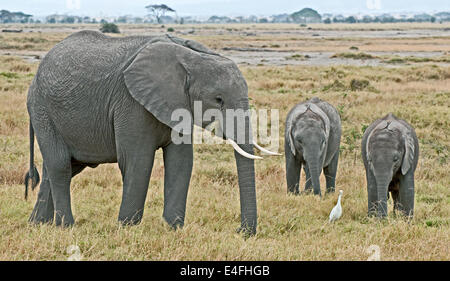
97 99
390 152
312 139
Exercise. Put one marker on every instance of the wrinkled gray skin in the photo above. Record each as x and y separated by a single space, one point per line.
312 139
97 99
390 151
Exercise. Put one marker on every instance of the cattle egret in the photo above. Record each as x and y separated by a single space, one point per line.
336 213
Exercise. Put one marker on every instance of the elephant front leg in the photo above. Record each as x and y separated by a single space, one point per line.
330 173
178 161
293 169
371 194
136 167
308 182
395 195
43 211
406 194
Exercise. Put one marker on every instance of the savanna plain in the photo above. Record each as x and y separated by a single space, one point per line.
364 70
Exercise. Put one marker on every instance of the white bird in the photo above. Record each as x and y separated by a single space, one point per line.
336 213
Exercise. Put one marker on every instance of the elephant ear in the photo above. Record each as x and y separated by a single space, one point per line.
191 45
408 157
299 110
383 124
314 108
158 80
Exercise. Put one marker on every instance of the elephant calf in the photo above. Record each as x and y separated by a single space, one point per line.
312 139
390 151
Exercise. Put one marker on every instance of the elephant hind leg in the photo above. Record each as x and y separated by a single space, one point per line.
60 175
43 211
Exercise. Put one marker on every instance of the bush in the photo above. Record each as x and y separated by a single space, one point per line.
356 56
170 29
358 85
109 28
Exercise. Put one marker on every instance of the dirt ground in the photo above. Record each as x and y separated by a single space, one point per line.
288 44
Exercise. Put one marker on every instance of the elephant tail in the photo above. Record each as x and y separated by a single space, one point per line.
32 175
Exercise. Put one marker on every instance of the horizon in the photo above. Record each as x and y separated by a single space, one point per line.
204 8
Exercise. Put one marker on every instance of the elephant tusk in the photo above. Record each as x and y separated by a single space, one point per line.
241 151
265 150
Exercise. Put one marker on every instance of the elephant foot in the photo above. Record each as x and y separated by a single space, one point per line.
42 215
247 231
175 222
331 190
43 211
40 219
64 220
130 221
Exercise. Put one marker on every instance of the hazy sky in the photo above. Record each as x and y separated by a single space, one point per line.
220 7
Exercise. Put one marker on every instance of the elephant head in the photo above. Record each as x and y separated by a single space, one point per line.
390 150
308 131
169 76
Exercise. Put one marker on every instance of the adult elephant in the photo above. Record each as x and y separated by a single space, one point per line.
97 99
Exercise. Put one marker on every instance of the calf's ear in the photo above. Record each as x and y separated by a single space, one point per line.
408 158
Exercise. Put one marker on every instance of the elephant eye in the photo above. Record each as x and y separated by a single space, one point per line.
219 100
395 158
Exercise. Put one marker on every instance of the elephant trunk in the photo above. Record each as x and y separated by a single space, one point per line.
240 137
382 192
314 170
247 192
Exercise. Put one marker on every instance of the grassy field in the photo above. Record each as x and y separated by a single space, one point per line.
290 227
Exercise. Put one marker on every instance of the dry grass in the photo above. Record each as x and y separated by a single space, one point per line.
290 227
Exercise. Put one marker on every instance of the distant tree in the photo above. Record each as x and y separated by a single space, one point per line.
306 15
122 19
433 19
109 28
52 20
158 11
69 20
327 21
367 19
350 19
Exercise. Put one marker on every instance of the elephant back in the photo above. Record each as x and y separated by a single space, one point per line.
84 61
